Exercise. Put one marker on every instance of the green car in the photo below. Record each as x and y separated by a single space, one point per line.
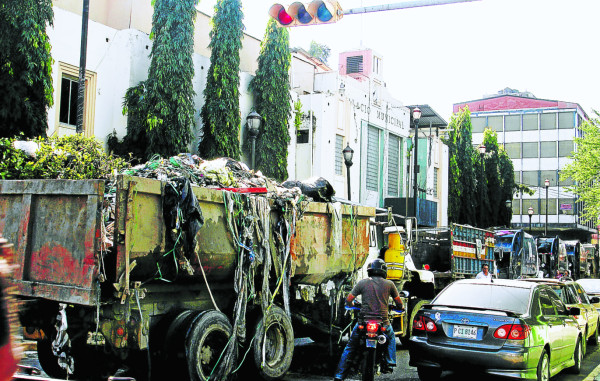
507 328
573 295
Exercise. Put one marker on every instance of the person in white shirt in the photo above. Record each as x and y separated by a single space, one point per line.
485 273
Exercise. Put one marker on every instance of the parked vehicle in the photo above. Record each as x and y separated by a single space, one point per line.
507 328
553 256
8 357
591 287
516 254
435 258
574 262
590 254
160 294
573 295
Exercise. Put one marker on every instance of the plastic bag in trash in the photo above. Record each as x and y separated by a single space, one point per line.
317 188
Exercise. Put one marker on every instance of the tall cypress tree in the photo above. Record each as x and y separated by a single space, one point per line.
462 188
271 90
221 110
25 67
507 185
161 109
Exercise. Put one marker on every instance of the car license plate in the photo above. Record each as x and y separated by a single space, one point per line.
371 343
464 332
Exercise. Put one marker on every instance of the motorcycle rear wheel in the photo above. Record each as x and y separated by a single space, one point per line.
368 368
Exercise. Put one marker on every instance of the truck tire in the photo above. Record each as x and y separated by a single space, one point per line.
273 341
48 361
207 344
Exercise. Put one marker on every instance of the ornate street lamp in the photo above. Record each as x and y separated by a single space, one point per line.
416 114
253 120
508 204
530 212
348 154
547 184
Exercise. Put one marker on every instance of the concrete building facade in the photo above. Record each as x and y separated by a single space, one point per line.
538 135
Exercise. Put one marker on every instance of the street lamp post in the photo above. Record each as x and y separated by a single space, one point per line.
547 184
481 183
509 208
253 120
530 212
348 153
416 113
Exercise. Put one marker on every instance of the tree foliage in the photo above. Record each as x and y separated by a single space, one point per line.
500 185
221 110
461 183
271 90
25 67
319 51
584 170
161 109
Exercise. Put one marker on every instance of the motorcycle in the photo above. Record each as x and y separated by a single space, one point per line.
373 341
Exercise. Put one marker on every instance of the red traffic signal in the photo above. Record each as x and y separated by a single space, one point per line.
298 14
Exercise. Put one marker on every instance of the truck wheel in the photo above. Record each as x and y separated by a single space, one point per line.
207 346
273 343
48 361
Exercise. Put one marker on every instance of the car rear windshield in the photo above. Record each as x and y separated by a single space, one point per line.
591 286
491 296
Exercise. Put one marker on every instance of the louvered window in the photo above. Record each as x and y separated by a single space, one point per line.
354 64
373 159
339 141
393 165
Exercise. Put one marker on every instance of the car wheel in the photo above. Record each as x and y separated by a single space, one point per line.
584 342
578 357
428 373
543 369
594 338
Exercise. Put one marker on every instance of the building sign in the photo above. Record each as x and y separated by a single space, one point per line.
389 119
566 207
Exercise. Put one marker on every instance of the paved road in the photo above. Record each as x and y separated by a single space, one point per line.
312 362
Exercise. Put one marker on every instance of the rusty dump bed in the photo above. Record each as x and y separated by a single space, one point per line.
56 227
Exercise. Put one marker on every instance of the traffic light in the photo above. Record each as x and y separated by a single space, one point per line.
315 12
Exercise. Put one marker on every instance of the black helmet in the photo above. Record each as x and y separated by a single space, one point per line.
377 267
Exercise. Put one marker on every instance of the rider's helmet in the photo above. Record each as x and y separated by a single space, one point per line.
377 267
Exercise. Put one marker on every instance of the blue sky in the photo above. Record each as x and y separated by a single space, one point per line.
440 55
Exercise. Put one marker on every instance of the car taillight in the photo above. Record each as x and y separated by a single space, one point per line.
371 327
423 323
512 332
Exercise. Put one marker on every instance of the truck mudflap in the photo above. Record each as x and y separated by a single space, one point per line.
55 228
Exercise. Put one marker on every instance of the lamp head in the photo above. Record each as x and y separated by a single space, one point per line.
253 120
530 211
481 149
416 113
348 154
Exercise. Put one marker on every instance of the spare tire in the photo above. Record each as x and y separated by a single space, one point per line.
273 345
207 344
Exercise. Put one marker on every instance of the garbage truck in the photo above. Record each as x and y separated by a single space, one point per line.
158 278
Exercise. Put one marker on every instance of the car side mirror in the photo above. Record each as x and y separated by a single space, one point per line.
594 300
574 311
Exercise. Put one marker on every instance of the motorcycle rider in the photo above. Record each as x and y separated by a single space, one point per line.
375 291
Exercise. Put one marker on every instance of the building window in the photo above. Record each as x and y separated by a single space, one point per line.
372 159
566 182
548 121
516 206
530 178
512 123
339 157
478 124
517 176
550 175
530 150
513 150
566 120
565 148
551 206
393 165
435 182
302 136
354 64
495 123
530 202
566 205
67 94
530 122
547 149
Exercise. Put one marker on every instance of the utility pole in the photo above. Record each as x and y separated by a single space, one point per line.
82 63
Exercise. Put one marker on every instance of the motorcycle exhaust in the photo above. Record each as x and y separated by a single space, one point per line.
381 339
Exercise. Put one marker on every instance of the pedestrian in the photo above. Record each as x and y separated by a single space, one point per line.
376 291
484 273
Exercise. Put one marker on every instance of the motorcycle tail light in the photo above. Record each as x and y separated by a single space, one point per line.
371 327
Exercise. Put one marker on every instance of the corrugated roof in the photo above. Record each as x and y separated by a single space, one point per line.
429 118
